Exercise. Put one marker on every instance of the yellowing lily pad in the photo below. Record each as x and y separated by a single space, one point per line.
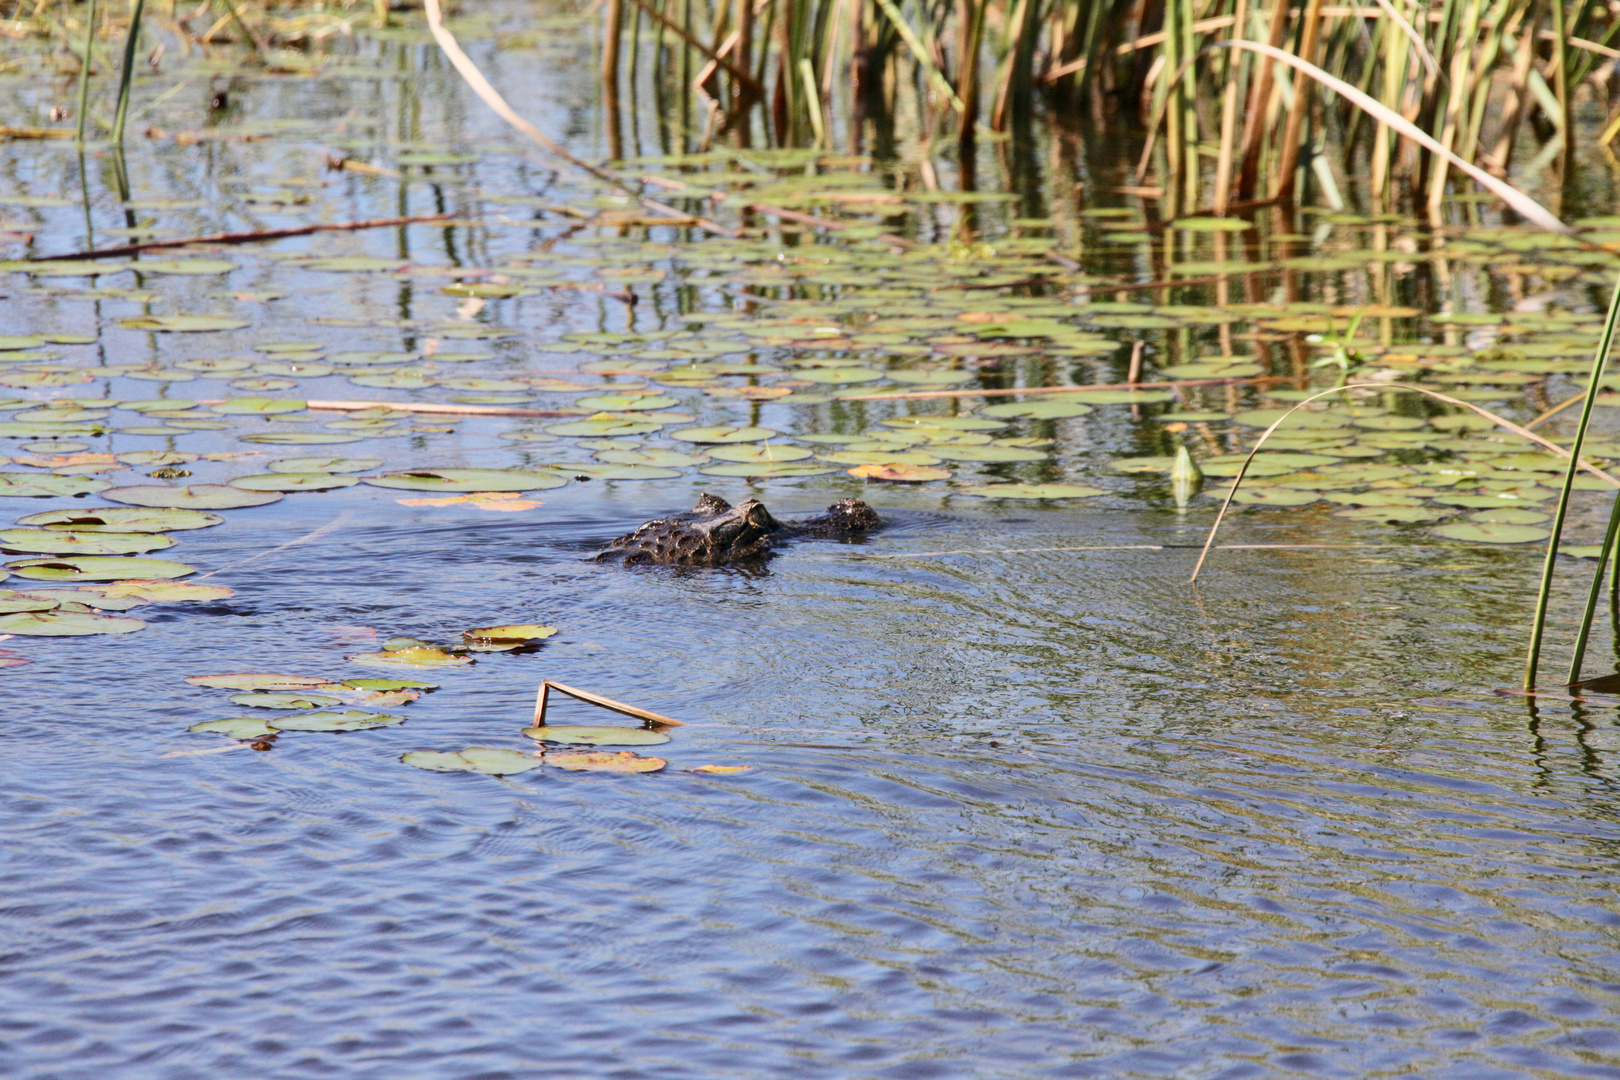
183 323
900 474
56 542
624 761
273 700
412 656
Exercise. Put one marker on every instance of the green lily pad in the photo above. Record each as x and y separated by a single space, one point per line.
56 542
284 701
1509 515
393 382
932 377
670 459
389 684
1265 496
98 568
183 323
1031 491
259 680
1211 224
1481 533
257 406
66 624
119 519
474 759
301 438
1394 514
985 453
14 342
322 465
897 456
944 423
597 736
841 376
767 470
722 434
467 480
760 452
193 497
244 728
627 402
604 426
43 485
607 471
12 600
62 267
348 720
310 481
355 264
1036 410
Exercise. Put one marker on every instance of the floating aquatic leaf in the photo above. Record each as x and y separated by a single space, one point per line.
605 471
1491 534
257 680
58 542
288 481
932 377
1211 224
627 402
355 264
257 406
41 486
322 465
245 728
474 759
505 638
985 453
1508 515
624 761
469 480
63 267
1036 410
160 592
760 452
301 438
194 497
505 501
1032 491
841 376
721 769
283 700
119 519
597 736
183 323
945 423
766 470
722 434
902 474
98 568
600 426
1394 514
13 342
13 600
412 656
673 459
183 266
1263 496
896 456
1582 551
66 624
348 720
389 684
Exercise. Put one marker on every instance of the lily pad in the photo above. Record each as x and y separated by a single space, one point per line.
761 452
244 728
627 402
98 568
412 656
13 600
767 470
474 759
389 684
670 459
284 481
467 480
597 736
348 720
302 438
194 497
259 680
505 638
1275 497
322 465
41 485
1481 533
721 434
1032 491
59 542
156 592
66 624
284 700
604 426
900 474
985 453
119 519
183 323
1036 410
257 406
624 761
183 266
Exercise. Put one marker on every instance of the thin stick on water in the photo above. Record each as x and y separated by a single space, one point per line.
546 686
335 523
1500 421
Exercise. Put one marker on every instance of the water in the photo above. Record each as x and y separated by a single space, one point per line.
1013 810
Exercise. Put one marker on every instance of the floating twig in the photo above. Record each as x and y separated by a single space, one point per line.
243 237
546 686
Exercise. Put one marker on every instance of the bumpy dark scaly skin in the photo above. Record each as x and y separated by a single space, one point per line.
716 533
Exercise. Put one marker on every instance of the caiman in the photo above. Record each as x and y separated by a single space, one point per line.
716 533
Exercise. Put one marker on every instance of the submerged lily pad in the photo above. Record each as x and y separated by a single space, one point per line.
467 480
98 568
474 759
348 720
194 497
597 736
66 624
119 519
